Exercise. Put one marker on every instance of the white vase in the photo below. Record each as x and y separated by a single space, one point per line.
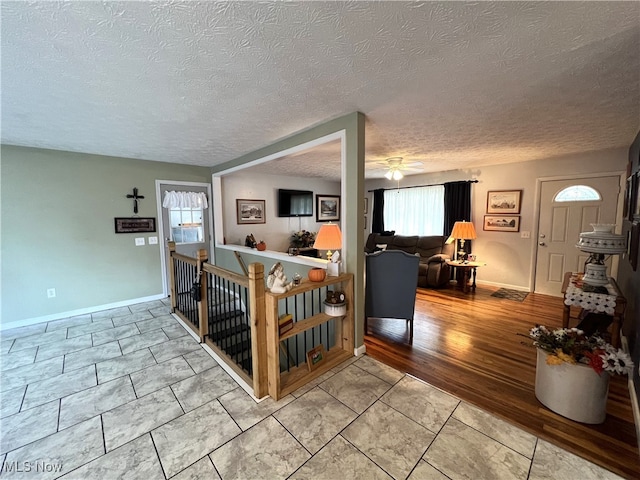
576 391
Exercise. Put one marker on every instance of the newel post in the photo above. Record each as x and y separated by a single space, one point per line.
172 277
203 315
258 330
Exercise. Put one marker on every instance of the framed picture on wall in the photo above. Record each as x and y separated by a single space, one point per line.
626 207
501 223
634 245
327 208
503 202
250 211
635 198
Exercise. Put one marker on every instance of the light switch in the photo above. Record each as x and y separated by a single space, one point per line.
153 240
139 241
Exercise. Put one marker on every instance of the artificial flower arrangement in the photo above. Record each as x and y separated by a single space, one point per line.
302 239
571 345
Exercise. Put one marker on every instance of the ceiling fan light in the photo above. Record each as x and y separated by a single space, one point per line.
397 175
389 175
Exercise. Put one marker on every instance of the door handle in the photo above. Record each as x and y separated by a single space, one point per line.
542 244
542 235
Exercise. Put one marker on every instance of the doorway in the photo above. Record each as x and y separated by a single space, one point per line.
190 226
568 207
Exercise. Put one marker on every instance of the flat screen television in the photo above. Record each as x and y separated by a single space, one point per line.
295 203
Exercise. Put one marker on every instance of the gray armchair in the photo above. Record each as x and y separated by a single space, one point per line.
391 279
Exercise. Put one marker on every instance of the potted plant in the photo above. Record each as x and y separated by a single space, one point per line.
302 239
572 372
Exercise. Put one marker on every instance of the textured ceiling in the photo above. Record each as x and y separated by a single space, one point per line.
449 84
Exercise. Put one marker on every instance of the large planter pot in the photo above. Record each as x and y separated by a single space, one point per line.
576 391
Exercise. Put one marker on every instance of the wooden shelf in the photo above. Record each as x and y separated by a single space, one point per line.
308 323
280 383
297 377
307 286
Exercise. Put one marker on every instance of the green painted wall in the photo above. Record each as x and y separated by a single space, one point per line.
57 230
353 199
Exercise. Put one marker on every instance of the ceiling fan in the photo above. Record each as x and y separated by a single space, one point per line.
395 166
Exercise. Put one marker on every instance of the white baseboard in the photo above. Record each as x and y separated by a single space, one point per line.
82 311
361 350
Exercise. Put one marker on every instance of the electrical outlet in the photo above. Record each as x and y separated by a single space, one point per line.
51 292
153 240
525 234
139 241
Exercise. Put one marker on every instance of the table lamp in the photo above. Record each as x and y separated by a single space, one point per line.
462 231
330 238
602 241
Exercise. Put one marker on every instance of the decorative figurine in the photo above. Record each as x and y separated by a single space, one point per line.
277 280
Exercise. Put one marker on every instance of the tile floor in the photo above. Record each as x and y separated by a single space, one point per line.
128 394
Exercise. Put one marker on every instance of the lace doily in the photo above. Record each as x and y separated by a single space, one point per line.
593 302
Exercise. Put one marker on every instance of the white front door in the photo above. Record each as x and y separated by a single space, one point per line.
560 225
189 228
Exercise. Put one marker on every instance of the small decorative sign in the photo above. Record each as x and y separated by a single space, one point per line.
315 357
135 225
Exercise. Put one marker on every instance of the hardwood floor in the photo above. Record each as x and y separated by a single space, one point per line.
468 345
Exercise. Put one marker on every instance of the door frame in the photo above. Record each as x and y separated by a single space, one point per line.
536 216
163 249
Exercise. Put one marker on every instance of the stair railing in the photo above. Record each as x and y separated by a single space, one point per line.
241 322
230 316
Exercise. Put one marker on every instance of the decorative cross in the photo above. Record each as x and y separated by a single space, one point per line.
135 197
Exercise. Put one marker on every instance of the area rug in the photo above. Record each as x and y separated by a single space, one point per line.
509 294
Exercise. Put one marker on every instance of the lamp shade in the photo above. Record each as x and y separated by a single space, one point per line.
329 237
464 231
602 240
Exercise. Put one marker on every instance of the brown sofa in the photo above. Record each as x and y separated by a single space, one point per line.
433 270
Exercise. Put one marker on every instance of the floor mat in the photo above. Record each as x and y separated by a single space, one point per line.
515 295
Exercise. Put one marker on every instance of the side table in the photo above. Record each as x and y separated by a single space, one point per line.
613 303
468 271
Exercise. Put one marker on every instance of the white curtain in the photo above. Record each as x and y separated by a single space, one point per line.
185 200
415 211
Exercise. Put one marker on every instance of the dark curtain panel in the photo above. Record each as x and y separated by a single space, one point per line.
457 206
377 223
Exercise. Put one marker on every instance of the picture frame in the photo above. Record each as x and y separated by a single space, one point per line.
250 211
503 202
327 208
134 224
635 198
501 223
626 207
315 357
634 245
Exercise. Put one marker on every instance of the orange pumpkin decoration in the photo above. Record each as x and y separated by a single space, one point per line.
261 246
317 274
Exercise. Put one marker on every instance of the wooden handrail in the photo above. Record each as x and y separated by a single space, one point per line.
263 323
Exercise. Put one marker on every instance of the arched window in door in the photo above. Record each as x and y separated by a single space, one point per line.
577 193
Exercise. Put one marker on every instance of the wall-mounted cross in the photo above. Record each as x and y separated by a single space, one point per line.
135 197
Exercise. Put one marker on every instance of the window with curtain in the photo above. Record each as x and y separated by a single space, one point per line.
185 215
415 211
